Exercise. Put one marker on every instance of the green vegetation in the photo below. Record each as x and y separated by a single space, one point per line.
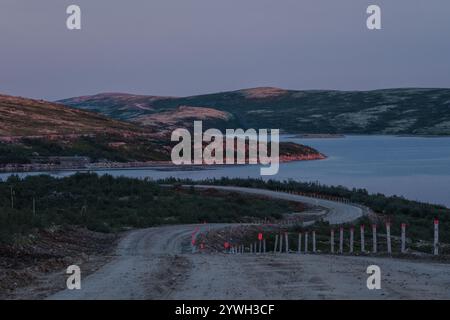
107 204
418 216
393 111
99 148
96 148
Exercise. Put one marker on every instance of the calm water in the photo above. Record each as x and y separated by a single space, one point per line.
413 167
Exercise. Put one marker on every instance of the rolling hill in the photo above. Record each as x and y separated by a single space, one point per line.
35 128
392 111
35 133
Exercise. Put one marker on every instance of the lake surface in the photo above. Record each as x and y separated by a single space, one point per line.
414 167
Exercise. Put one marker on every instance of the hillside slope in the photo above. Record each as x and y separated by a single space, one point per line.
33 129
41 135
391 111
27 117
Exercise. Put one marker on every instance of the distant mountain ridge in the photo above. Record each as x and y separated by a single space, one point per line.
41 135
414 111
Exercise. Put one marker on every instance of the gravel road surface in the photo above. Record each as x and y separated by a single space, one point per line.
157 263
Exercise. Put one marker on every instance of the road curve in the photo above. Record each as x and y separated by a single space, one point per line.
157 263
142 259
338 212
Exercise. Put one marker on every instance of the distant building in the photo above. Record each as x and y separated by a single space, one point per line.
72 162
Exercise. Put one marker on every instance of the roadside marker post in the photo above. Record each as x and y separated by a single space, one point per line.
314 241
255 246
403 249
299 242
374 238
281 243
306 242
260 238
352 232
388 237
436 237
226 245
341 240
332 241
286 238
363 249
275 244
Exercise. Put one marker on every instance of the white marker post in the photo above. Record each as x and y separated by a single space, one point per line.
352 231
363 249
306 242
332 241
314 241
388 237
374 238
436 237
276 244
286 238
341 240
299 242
403 250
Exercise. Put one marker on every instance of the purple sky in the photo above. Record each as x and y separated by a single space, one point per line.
184 47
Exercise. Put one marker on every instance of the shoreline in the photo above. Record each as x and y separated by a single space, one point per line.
161 165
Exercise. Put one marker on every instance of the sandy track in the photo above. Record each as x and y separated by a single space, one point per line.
156 263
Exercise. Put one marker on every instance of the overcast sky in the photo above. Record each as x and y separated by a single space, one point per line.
185 47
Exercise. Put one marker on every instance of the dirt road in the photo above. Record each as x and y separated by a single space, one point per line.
338 212
157 263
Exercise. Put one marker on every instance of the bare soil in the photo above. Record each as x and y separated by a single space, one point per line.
36 267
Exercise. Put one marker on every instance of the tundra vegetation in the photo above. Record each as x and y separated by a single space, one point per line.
108 204
390 111
418 216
